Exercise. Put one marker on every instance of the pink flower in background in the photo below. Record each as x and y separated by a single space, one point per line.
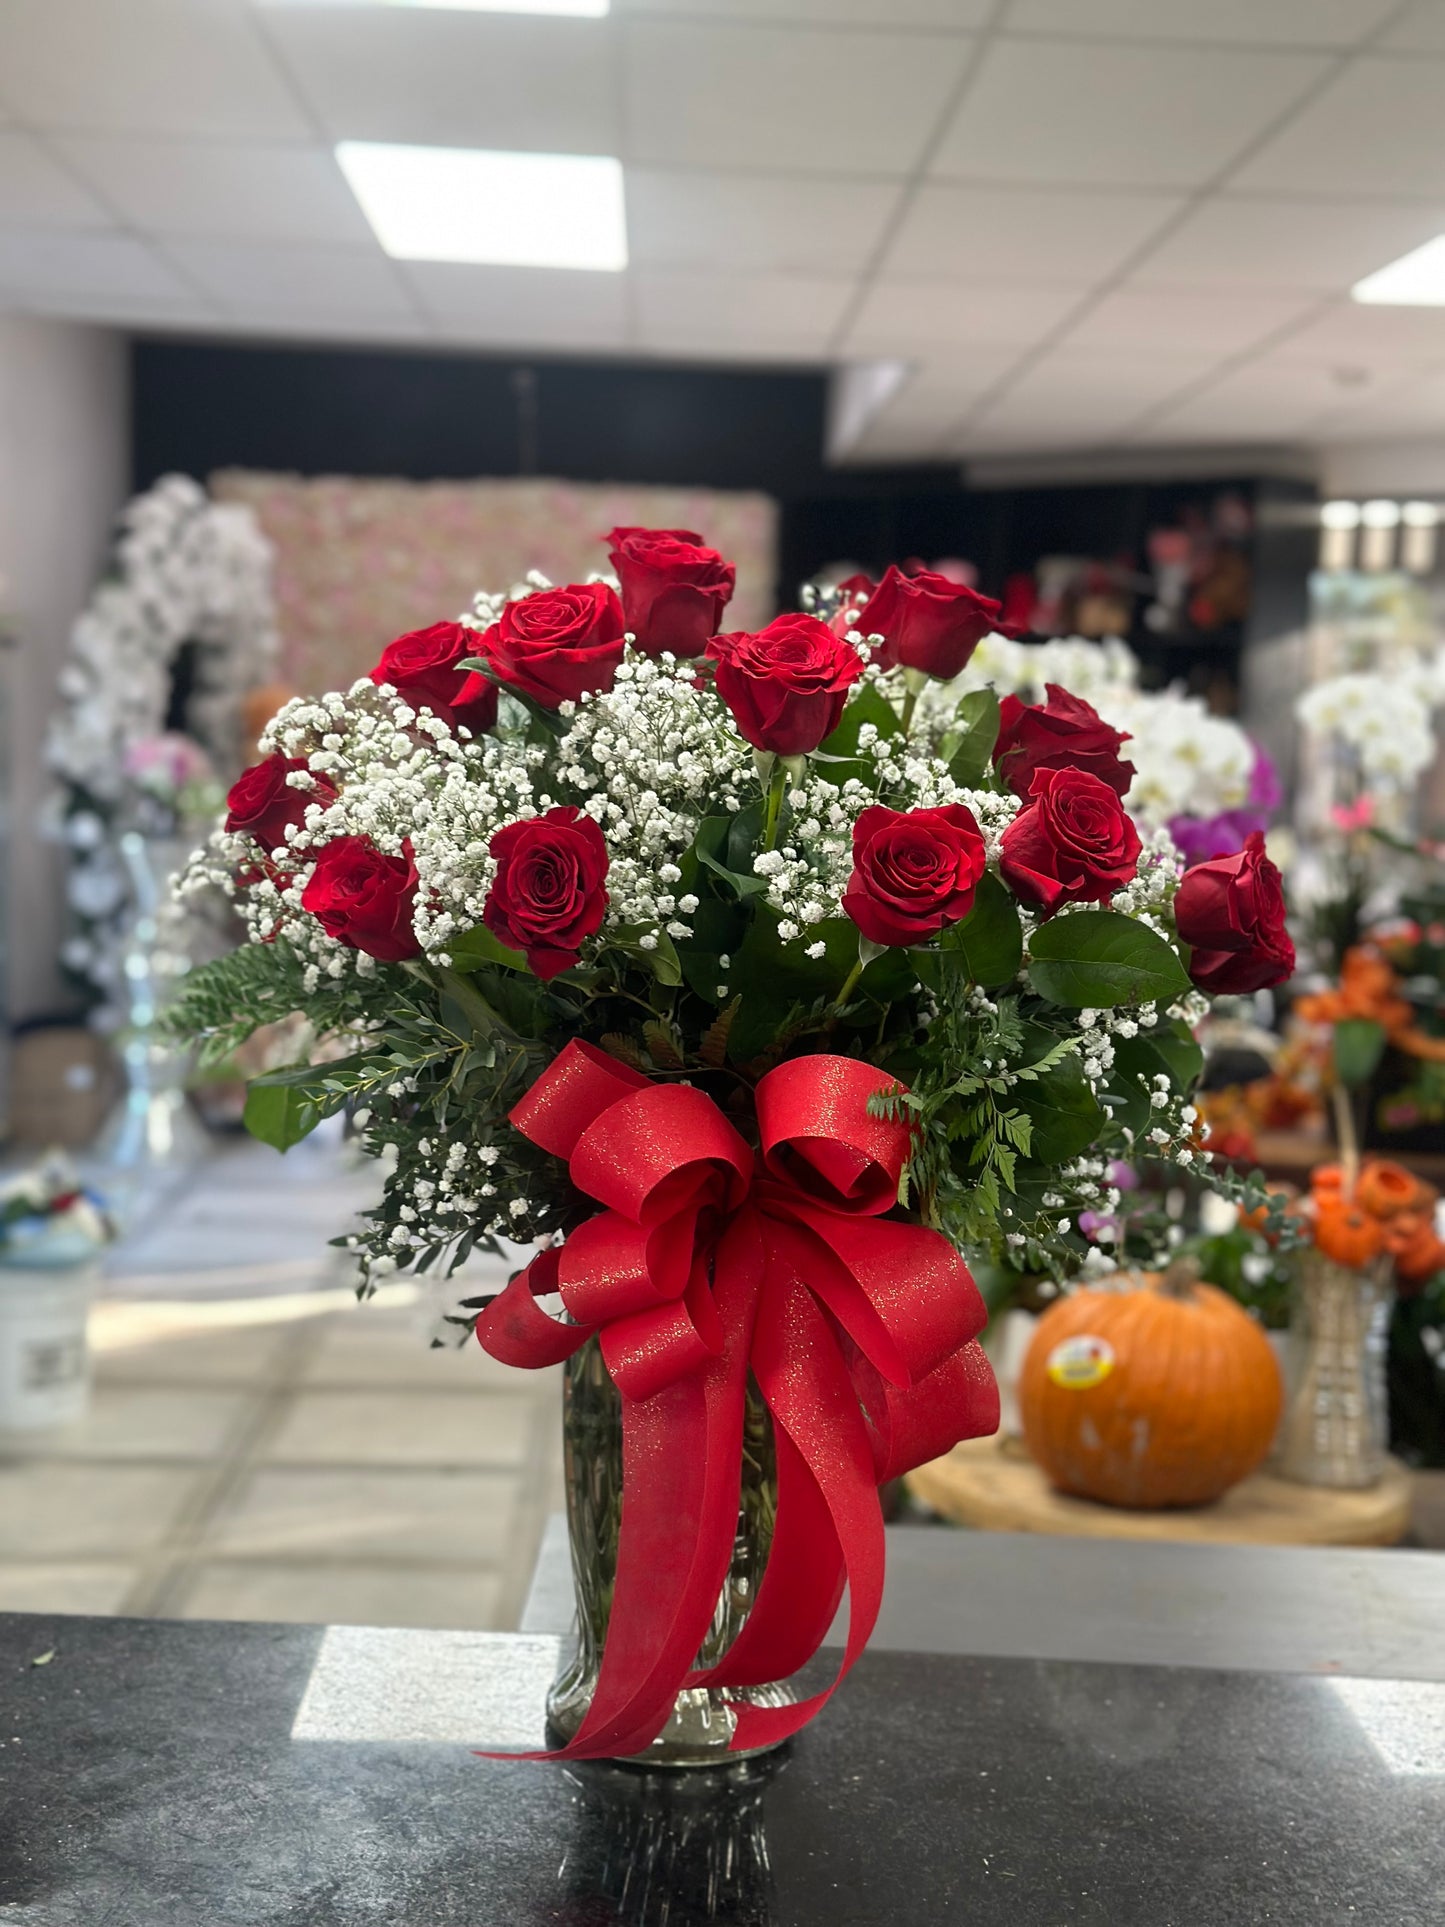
1350 817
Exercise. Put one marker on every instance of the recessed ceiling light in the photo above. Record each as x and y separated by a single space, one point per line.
510 210
578 9
1416 280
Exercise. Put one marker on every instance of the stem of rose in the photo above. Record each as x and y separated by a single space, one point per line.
776 787
910 703
849 982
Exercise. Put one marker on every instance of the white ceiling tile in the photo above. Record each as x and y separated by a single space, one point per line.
1089 394
1241 242
293 280
1266 399
956 233
223 192
522 307
1420 29
155 66
1408 409
34 190
747 222
1133 116
1263 23
766 97
734 311
926 317
1377 129
1144 319
947 14
1377 341
889 442
443 78
35 262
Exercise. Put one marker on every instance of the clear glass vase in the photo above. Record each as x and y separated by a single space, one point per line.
1336 1430
702 1724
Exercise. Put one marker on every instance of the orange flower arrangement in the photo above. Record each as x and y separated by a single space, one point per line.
1369 992
1386 1211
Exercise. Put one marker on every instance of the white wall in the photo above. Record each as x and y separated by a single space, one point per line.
1356 469
63 468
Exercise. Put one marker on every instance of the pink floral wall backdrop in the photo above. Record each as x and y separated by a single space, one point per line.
361 561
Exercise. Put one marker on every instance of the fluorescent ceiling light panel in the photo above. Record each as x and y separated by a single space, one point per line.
575 9
507 210
1416 280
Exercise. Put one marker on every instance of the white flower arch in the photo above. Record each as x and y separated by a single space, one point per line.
185 570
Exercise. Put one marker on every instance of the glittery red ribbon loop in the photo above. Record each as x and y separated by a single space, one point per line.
705 1264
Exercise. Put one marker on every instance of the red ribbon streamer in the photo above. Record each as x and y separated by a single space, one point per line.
706 1262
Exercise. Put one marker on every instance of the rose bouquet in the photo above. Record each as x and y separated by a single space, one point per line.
755 989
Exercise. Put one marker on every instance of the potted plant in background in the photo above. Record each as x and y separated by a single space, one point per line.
51 1237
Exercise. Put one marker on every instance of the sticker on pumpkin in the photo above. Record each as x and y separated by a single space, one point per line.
1079 1362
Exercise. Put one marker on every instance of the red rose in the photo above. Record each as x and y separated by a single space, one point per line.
928 622
786 685
1231 912
674 590
1062 733
422 666
913 871
853 592
364 898
558 644
263 805
1073 844
547 897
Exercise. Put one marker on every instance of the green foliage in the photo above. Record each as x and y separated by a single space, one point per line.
1357 1046
988 944
968 747
1097 959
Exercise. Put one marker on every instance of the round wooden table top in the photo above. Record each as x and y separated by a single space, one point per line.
995 1486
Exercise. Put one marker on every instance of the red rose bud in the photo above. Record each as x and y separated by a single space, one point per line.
547 897
1231 912
422 666
1073 844
1062 733
928 622
263 805
558 644
786 686
364 898
674 589
913 872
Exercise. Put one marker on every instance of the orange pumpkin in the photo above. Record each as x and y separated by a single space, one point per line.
1164 1395
1385 1188
1345 1233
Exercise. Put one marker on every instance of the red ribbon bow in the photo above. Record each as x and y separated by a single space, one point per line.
708 1261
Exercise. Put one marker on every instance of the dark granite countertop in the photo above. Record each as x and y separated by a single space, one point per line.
164 1774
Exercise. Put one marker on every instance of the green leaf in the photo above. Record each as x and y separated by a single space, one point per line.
988 942
969 745
1096 959
1359 1044
283 1107
547 719
478 946
1178 1053
1065 1114
726 845
660 956
870 705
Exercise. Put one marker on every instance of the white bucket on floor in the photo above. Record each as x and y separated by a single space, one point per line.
44 1355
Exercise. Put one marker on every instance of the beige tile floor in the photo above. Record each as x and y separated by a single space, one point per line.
297 1457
